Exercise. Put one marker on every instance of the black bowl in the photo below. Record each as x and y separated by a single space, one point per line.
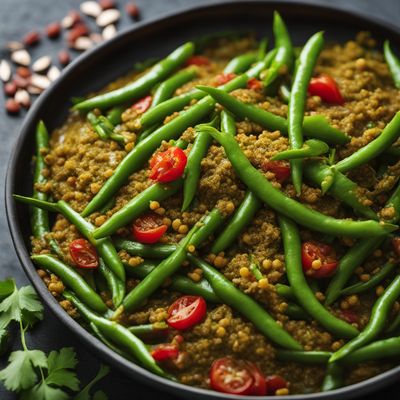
156 38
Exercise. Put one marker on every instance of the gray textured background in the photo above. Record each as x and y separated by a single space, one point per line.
20 16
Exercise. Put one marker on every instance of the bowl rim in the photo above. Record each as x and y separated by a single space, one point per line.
95 345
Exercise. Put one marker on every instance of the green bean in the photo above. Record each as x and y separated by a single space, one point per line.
168 87
394 203
379 315
178 283
116 286
254 268
148 329
108 206
303 357
139 249
119 335
146 132
240 219
142 85
393 63
298 96
241 63
372 282
114 114
140 153
157 114
193 166
333 378
315 126
171 264
246 306
395 325
39 218
311 148
285 291
112 346
137 206
284 92
377 146
104 247
228 123
357 254
284 55
342 187
295 312
262 48
301 214
94 122
304 295
72 280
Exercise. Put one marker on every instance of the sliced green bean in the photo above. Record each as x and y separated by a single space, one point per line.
246 306
137 206
374 281
72 280
342 187
315 126
284 55
119 335
168 87
393 63
170 265
301 214
311 148
254 268
142 85
388 136
241 63
376 324
304 295
240 219
94 122
298 96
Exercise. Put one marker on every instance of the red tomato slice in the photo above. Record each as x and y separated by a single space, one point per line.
165 351
221 79
254 83
198 60
186 312
325 87
228 375
83 254
280 168
148 228
143 105
167 166
260 384
275 382
318 253
396 245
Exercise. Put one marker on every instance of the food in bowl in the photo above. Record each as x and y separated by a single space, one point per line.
227 219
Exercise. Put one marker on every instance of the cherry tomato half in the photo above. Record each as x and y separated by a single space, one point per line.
318 259
148 228
167 166
274 383
325 87
198 60
143 105
221 79
254 83
228 375
165 351
396 245
83 254
280 168
186 312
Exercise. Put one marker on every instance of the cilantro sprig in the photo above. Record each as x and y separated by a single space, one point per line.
31 373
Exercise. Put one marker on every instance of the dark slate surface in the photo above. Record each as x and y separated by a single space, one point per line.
19 16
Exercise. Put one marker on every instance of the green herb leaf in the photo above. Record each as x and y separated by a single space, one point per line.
6 288
41 391
20 373
22 305
84 394
3 341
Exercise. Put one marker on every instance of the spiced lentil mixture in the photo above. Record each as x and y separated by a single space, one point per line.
79 162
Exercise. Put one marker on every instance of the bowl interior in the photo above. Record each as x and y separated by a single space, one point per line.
104 64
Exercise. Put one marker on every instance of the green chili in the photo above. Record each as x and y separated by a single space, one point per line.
142 85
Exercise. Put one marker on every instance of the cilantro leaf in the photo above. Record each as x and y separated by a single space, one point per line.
3 341
6 288
41 391
84 394
22 305
59 364
20 373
